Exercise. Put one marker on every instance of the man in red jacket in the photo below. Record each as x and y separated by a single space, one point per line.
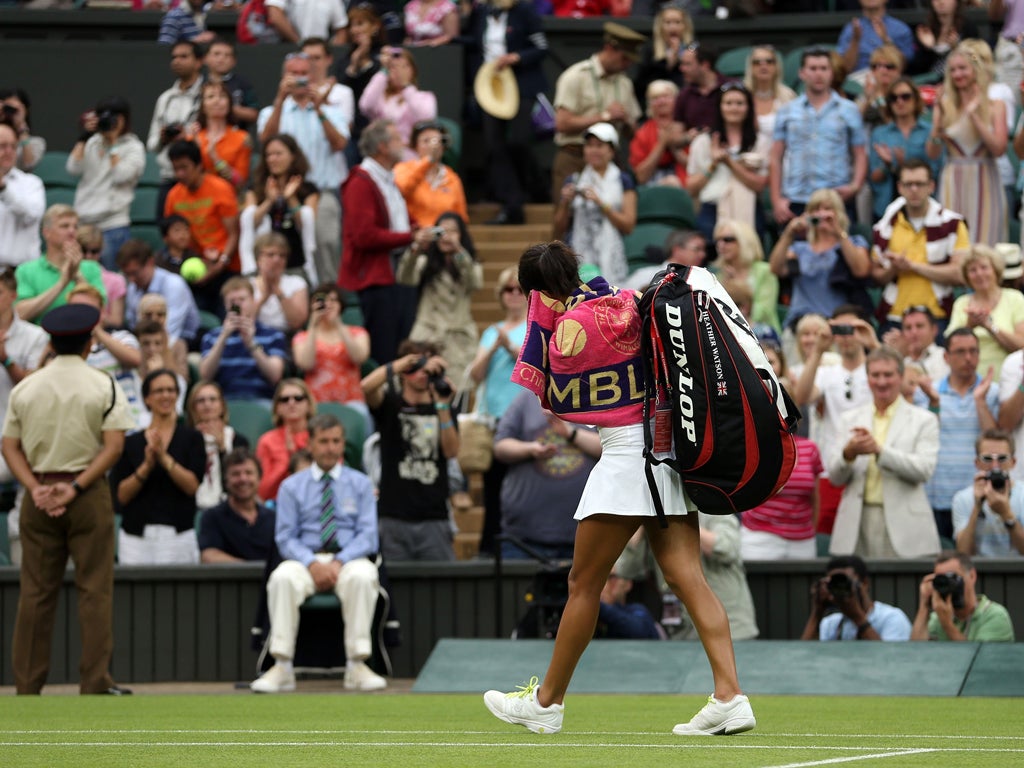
376 232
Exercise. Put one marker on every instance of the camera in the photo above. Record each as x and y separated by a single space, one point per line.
173 130
8 110
841 586
436 380
437 232
234 309
319 301
946 584
997 478
842 329
301 82
814 220
106 120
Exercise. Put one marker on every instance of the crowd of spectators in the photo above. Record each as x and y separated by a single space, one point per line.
316 251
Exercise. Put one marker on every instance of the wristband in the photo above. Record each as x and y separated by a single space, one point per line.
446 425
442 406
571 439
8 362
77 488
389 369
863 628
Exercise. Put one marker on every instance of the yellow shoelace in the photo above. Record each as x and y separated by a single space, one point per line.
524 691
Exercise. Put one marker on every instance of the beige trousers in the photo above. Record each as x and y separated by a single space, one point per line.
291 583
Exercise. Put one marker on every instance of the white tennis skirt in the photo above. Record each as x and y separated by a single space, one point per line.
618 485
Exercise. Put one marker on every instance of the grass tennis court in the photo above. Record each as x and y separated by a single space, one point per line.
416 730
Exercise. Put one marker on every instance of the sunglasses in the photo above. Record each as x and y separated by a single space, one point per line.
92 250
291 398
733 86
883 65
726 239
512 289
848 388
917 308
760 62
901 96
988 458
206 399
914 184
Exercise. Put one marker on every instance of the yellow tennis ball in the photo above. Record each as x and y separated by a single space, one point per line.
193 268
570 338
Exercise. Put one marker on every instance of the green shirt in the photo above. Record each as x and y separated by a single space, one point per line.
990 623
39 275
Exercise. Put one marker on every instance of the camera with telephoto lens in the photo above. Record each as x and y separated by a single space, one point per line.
946 584
106 120
436 380
997 478
841 586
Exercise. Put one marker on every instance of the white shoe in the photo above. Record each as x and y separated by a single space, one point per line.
522 708
360 677
719 718
274 680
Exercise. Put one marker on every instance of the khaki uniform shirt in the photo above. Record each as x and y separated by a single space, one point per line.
585 88
60 413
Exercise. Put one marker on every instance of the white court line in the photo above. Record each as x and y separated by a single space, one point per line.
834 760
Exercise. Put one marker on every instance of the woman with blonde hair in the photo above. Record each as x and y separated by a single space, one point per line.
825 269
972 130
763 78
657 152
671 32
207 411
292 407
995 314
741 260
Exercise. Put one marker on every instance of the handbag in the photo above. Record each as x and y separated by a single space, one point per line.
543 117
476 436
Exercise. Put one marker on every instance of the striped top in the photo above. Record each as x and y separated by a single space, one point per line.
790 513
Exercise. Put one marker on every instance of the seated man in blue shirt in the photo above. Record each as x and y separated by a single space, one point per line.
842 608
621 620
239 528
326 532
244 356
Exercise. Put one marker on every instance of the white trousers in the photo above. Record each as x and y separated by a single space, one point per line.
158 545
291 583
328 236
761 545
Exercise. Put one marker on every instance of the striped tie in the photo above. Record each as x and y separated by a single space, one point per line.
328 525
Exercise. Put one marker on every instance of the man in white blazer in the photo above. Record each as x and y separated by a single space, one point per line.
890 453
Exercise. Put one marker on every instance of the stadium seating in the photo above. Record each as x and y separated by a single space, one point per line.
151 173
51 169
355 430
250 418
143 210
665 205
60 195
150 234
643 236
733 62
5 543
453 152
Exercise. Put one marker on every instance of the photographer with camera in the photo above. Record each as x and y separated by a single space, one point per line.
410 399
842 608
950 609
988 516
175 108
109 158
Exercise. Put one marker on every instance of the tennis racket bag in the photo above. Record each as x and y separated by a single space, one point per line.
714 410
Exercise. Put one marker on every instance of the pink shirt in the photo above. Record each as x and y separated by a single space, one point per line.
790 513
116 289
406 108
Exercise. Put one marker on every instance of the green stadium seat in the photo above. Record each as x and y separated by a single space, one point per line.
352 314
453 152
60 195
250 419
208 321
51 170
733 63
149 233
355 430
665 205
143 210
645 235
151 172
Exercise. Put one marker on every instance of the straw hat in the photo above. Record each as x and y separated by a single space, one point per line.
496 91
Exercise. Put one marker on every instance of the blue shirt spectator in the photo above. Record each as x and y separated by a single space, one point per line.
896 32
889 622
327 167
355 512
991 536
912 146
182 312
238 374
818 144
184 23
